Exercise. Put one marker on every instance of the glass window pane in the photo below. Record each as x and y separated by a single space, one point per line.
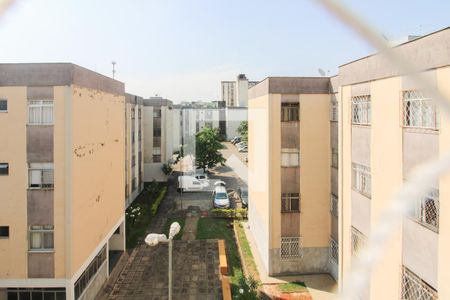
35 240
48 240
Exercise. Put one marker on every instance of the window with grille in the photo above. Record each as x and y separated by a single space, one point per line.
334 111
426 210
361 111
291 247
40 175
156 131
290 157
361 179
414 288
334 205
290 202
289 112
36 293
139 113
334 157
358 241
334 251
419 111
41 237
40 112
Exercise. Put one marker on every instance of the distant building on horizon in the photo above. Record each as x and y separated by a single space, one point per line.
235 93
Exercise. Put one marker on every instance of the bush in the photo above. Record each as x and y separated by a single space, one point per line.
248 288
230 213
158 200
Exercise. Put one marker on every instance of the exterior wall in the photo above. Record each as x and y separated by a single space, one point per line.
97 283
97 170
259 174
13 207
234 117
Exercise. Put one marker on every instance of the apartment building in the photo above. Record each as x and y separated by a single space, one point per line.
289 173
61 180
134 160
158 137
234 117
235 93
389 126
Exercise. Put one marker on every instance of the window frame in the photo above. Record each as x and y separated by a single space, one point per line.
290 152
361 110
6 168
358 241
45 167
290 112
42 231
286 202
420 214
43 103
6 101
4 228
416 99
362 179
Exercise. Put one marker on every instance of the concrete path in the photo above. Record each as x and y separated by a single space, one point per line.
190 227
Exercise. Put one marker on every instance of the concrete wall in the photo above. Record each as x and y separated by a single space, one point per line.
97 283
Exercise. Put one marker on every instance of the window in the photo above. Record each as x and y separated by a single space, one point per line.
361 179
426 210
414 288
156 151
334 158
4 231
290 202
4 169
334 205
40 112
334 111
290 157
156 131
157 113
139 113
132 113
289 112
334 251
290 247
90 272
36 293
40 175
358 241
419 111
361 110
3 105
41 238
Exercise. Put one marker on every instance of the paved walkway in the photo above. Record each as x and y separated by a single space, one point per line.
190 227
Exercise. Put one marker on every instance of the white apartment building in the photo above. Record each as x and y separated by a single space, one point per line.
235 93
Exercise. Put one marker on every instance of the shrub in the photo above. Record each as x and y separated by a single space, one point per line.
230 213
248 288
158 200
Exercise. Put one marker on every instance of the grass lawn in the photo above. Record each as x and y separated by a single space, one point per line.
293 287
211 228
246 251
180 220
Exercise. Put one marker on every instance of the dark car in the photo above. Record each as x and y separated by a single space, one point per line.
243 195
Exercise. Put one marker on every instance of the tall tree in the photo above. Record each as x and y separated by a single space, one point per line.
207 146
243 130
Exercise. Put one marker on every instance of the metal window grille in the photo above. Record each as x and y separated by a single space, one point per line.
361 179
426 210
40 178
334 111
414 288
289 112
290 202
334 205
334 251
361 110
358 241
40 112
291 247
419 111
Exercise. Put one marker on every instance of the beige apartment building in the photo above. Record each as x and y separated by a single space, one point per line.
289 173
134 160
388 127
62 180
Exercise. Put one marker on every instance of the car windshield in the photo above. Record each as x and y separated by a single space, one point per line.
221 196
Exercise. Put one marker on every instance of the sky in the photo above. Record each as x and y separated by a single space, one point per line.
183 49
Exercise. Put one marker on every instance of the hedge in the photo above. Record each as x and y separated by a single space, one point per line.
230 213
158 200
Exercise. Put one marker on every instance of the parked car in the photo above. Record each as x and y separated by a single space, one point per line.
243 149
240 144
190 184
243 196
220 183
203 178
220 197
235 140
246 159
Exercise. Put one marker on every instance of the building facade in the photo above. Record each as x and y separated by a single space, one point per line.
388 127
235 93
289 173
61 180
234 117
134 159
159 126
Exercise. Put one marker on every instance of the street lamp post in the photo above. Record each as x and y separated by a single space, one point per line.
154 239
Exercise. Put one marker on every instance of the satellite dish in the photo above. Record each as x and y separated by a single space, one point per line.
322 72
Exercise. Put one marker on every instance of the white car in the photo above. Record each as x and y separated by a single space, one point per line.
243 149
221 199
191 184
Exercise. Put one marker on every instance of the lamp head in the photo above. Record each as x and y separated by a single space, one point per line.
154 239
174 229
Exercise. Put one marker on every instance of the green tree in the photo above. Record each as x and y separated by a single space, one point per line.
243 130
207 146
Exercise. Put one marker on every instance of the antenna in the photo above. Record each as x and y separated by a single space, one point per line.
321 72
114 68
